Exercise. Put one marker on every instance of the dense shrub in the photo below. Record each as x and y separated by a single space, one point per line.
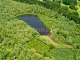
66 32
68 2
46 0
64 10
74 16
71 15
58 1
55 5
28 1
62 54
72 6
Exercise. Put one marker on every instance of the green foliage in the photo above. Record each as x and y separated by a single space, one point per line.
68 2
62 54
46 0
71 15
77 54
64 10
55 5
72 6
66 32
58 1
18 41
17 38
28 1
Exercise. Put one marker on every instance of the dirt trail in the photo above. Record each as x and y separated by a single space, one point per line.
54 43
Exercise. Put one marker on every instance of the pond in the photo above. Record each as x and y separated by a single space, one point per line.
35 22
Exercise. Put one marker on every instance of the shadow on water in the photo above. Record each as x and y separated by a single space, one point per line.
35 22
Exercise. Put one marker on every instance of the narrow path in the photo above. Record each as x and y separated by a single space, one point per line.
50 41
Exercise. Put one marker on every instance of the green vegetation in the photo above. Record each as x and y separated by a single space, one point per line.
72 6
18 41
55 5
62 34
68 2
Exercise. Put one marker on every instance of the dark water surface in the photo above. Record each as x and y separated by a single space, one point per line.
35 22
